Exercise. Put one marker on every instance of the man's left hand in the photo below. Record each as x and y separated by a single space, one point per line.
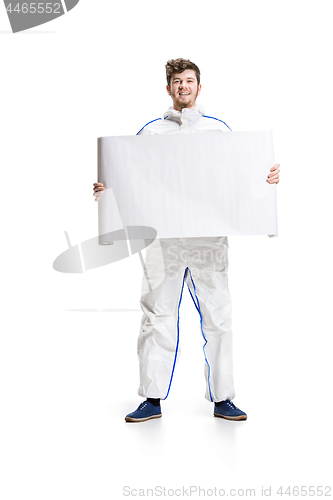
273 177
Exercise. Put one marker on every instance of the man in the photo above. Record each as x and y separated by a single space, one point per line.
200 262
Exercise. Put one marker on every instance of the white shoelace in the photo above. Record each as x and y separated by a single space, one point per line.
232 405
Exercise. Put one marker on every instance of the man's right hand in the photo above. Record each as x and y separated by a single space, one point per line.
98 190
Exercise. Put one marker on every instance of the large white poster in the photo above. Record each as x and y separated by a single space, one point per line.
190 185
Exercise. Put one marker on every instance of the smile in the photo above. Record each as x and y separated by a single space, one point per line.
184 93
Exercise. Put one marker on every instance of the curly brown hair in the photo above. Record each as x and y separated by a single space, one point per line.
178 66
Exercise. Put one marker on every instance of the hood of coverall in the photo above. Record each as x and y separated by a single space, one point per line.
185 115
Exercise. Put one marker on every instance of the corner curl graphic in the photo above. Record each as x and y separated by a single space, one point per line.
25 14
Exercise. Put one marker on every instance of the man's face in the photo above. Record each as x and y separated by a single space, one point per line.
184 89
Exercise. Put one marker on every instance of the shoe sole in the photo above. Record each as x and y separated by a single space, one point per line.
241 417
131 419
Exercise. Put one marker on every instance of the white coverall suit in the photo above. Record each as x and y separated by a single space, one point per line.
203 264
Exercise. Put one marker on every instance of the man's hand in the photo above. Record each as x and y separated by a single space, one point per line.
273 177
98 190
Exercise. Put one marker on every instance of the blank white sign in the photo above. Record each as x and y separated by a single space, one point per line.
190 185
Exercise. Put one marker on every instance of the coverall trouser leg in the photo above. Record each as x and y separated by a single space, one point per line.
203 264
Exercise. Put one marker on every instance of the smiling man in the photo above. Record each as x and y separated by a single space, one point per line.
184 89
201 263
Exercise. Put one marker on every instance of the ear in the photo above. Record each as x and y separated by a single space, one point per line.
168 89
199 89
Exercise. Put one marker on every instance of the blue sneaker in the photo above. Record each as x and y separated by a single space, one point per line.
145 411
228 410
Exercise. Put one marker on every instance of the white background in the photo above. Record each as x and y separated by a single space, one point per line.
69 373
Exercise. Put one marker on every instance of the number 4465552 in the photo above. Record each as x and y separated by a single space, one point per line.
32 8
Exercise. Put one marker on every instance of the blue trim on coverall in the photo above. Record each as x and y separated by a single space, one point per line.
148 124
199 311
174 363
205 116
197 306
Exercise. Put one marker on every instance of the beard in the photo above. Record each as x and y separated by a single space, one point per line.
183 104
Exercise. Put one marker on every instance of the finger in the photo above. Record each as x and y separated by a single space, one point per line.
98 194
273 180
273 177
98 184
275 172
275 166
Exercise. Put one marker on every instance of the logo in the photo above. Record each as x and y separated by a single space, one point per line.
104 249
25 15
